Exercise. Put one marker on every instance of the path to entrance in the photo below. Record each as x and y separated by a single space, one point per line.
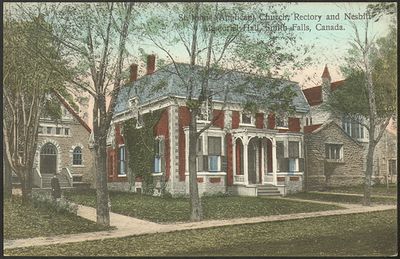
128 226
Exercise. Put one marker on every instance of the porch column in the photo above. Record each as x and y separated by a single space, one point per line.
234 159
262 162
274 162
245 159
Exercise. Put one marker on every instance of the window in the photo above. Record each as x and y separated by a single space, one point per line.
353 128
280 149
122 161
214 154
246 118
306 121
333 151
49 130
205 113
293 149
66 131
58 131
281 120
159 155
77 156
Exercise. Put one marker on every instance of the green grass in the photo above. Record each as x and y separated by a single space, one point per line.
26 221
341 198
159 209
380 189
344 235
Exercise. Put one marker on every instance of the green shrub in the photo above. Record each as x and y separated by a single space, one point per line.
44 200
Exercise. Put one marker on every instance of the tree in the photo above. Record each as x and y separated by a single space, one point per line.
213 49
369 91
92 37
28 80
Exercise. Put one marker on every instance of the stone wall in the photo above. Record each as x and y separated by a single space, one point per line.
321 172
65 144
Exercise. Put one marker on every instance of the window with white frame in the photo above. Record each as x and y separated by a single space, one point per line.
214 153
281 120
49 130
200 163
77 156
58 131
353 128
334 151
246 118
205 112
121 161
293 154
280 153
66 131
159 155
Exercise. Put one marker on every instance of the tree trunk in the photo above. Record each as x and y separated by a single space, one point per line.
368 174
102 209
26 187
7 184
195 201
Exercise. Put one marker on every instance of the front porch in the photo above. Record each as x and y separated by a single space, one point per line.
266 160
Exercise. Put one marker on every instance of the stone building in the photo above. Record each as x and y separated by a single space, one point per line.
333 158
243 153
385 156
63 148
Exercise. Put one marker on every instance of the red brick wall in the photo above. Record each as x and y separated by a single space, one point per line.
259 120
235 119
229 166
294 124
271 121
220 118
184 120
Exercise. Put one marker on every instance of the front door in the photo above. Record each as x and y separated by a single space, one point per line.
48 159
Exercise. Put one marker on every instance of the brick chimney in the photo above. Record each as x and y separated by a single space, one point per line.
133 73
151 64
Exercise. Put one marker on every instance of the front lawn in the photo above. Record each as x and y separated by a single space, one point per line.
341 198
159 209
364 234
380 189
26 221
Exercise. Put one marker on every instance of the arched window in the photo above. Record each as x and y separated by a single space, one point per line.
77 156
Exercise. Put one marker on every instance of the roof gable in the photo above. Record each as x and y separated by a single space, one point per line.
325 125
72 111
314 94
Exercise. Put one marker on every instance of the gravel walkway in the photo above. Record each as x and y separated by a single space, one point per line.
128 226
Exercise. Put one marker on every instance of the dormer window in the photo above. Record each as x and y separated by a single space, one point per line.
281 120
246 118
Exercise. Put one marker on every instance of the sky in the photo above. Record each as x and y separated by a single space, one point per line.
329 45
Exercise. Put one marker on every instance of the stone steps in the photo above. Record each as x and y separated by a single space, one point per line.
267 190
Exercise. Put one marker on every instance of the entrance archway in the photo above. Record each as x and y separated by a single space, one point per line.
48 159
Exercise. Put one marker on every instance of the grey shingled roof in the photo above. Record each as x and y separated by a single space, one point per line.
166 82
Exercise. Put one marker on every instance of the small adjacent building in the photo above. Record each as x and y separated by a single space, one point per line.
242 153
63 148
333 158
385 156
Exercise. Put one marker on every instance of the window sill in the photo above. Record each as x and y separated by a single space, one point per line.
208 173
157 174
339 161
282 127
247 125
121 175
78 166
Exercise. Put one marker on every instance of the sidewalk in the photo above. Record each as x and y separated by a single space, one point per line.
353 194
128 226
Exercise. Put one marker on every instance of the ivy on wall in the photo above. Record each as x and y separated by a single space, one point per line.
139 142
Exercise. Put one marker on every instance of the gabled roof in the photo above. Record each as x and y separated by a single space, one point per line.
311 128
165 82
314 94
318 127
72 111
